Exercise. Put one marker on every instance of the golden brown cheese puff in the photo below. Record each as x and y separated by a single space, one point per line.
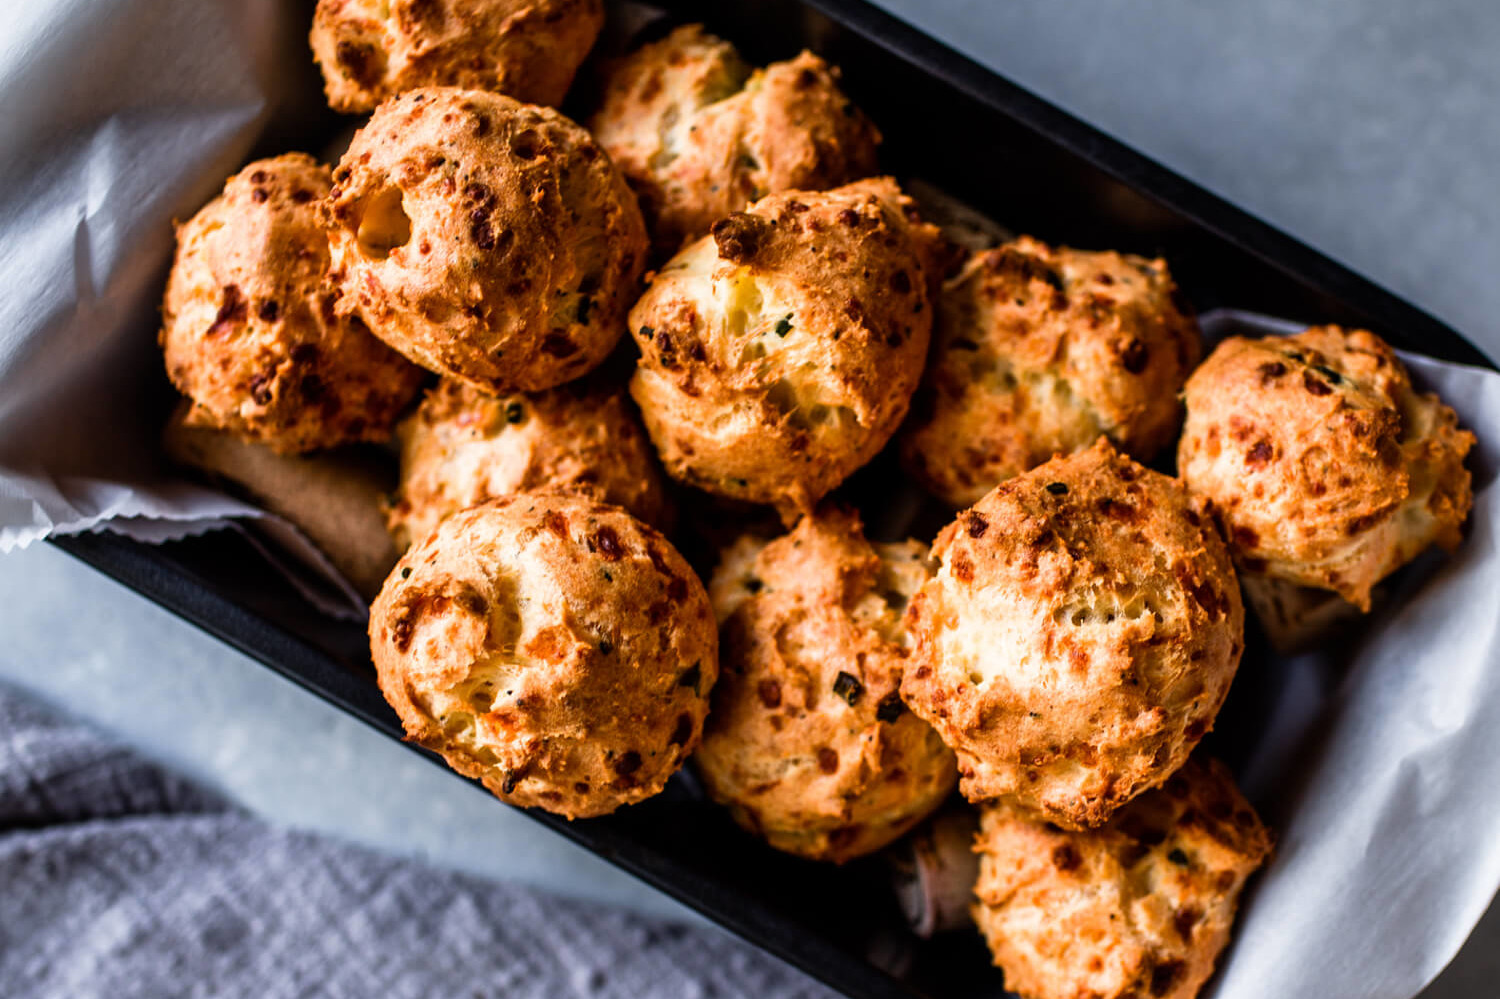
557 649
487 240
464 446
1079 637
248 324
1139 907
529 49
809 743
779 353
1038 352
1324 465
699 135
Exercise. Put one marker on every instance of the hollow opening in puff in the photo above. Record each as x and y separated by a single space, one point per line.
1105 606
384 225
679 119
801 414
744 304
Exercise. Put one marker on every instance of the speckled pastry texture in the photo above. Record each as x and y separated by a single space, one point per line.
487 240
1139 908
809 743
699 135
555 648
249 331
779 354
1325 467
1037 352
463 446
529 49
1079 637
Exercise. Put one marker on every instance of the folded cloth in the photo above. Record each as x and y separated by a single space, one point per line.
121 879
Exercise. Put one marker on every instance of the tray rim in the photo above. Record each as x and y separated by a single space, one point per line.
149 571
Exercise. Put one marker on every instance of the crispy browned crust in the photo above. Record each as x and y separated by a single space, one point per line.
249 332
1079 637
557 649
1138 908
463 446
779 354
1325 467
699 135
1037 352
373 49
489 241
809 743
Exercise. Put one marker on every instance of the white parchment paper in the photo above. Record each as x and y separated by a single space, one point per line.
121 116
1378 764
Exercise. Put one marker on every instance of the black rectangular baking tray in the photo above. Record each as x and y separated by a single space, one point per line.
970 132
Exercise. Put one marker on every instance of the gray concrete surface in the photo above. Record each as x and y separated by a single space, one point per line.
86 644
1369 128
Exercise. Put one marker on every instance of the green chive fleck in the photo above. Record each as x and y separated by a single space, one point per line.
784 325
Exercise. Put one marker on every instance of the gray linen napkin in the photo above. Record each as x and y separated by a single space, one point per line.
120 879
